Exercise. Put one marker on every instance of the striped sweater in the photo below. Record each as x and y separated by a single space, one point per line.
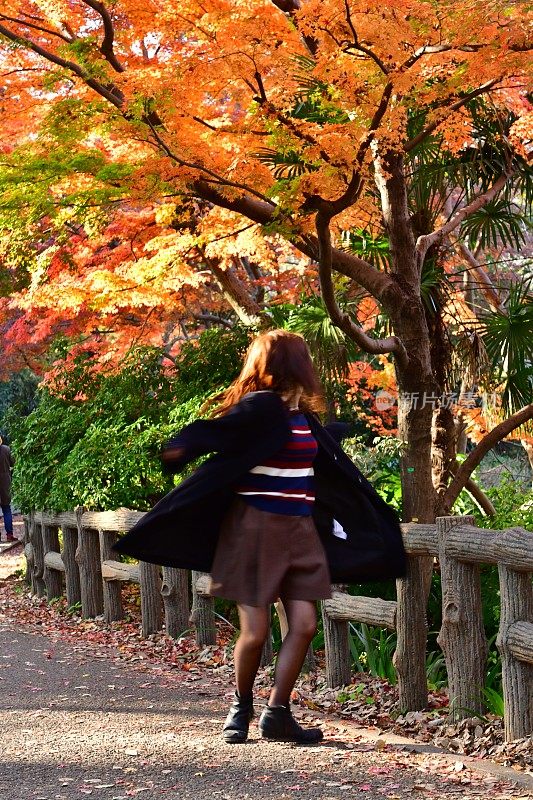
284 484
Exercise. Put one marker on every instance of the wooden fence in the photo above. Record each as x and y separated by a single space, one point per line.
92 578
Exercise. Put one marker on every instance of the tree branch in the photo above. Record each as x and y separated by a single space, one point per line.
106 48
482 448
431 49
248 311
487 287
379 284
425 242
376 121
480 497
226 323
36 27
212 177
290 7
287 6
112 93
356 45
415 141
339 318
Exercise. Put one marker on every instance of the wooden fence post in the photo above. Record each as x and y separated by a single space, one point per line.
516 595
309 661
412 631
151 612
38 557
203 614
462 635
337 647
72 572
111 589
88 559
53 579
28 553
175 593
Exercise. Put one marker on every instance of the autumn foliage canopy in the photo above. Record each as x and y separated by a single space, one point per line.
162 159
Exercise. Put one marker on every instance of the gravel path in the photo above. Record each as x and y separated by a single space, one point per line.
79 723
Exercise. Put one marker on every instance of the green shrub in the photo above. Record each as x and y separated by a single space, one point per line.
94 437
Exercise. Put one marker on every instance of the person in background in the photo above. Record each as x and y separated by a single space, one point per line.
6 467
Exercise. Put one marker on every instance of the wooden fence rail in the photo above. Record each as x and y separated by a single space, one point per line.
74 549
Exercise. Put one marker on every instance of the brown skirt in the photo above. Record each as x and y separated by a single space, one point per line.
262 556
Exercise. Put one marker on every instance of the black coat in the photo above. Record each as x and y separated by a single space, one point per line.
182 529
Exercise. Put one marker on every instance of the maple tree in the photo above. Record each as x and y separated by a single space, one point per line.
319 122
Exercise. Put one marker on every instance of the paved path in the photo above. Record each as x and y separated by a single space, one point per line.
77 723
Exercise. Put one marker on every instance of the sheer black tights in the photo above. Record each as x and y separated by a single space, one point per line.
301 618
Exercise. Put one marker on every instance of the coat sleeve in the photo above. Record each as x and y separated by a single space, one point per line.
11 458
226 434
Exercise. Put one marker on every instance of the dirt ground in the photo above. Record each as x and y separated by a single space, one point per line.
76 721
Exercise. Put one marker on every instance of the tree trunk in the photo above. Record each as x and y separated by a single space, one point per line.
418 393
443 447
413 590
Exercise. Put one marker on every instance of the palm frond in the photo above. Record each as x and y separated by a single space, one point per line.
497 223
332 350
286 164
374 249
508 339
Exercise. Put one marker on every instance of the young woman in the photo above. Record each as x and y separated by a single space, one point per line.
278 512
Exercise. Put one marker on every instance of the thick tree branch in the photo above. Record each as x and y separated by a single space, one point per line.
287 6
375 123
290 7
379 284
339 318
480 497
482 448
436 237
226 323
106 48
236 294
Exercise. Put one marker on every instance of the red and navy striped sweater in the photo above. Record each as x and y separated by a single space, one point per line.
285 484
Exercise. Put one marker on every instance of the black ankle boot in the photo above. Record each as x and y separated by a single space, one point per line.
235 730
277 722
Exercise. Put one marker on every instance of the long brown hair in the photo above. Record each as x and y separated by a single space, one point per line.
281 362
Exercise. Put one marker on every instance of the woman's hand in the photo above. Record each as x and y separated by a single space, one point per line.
172 454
